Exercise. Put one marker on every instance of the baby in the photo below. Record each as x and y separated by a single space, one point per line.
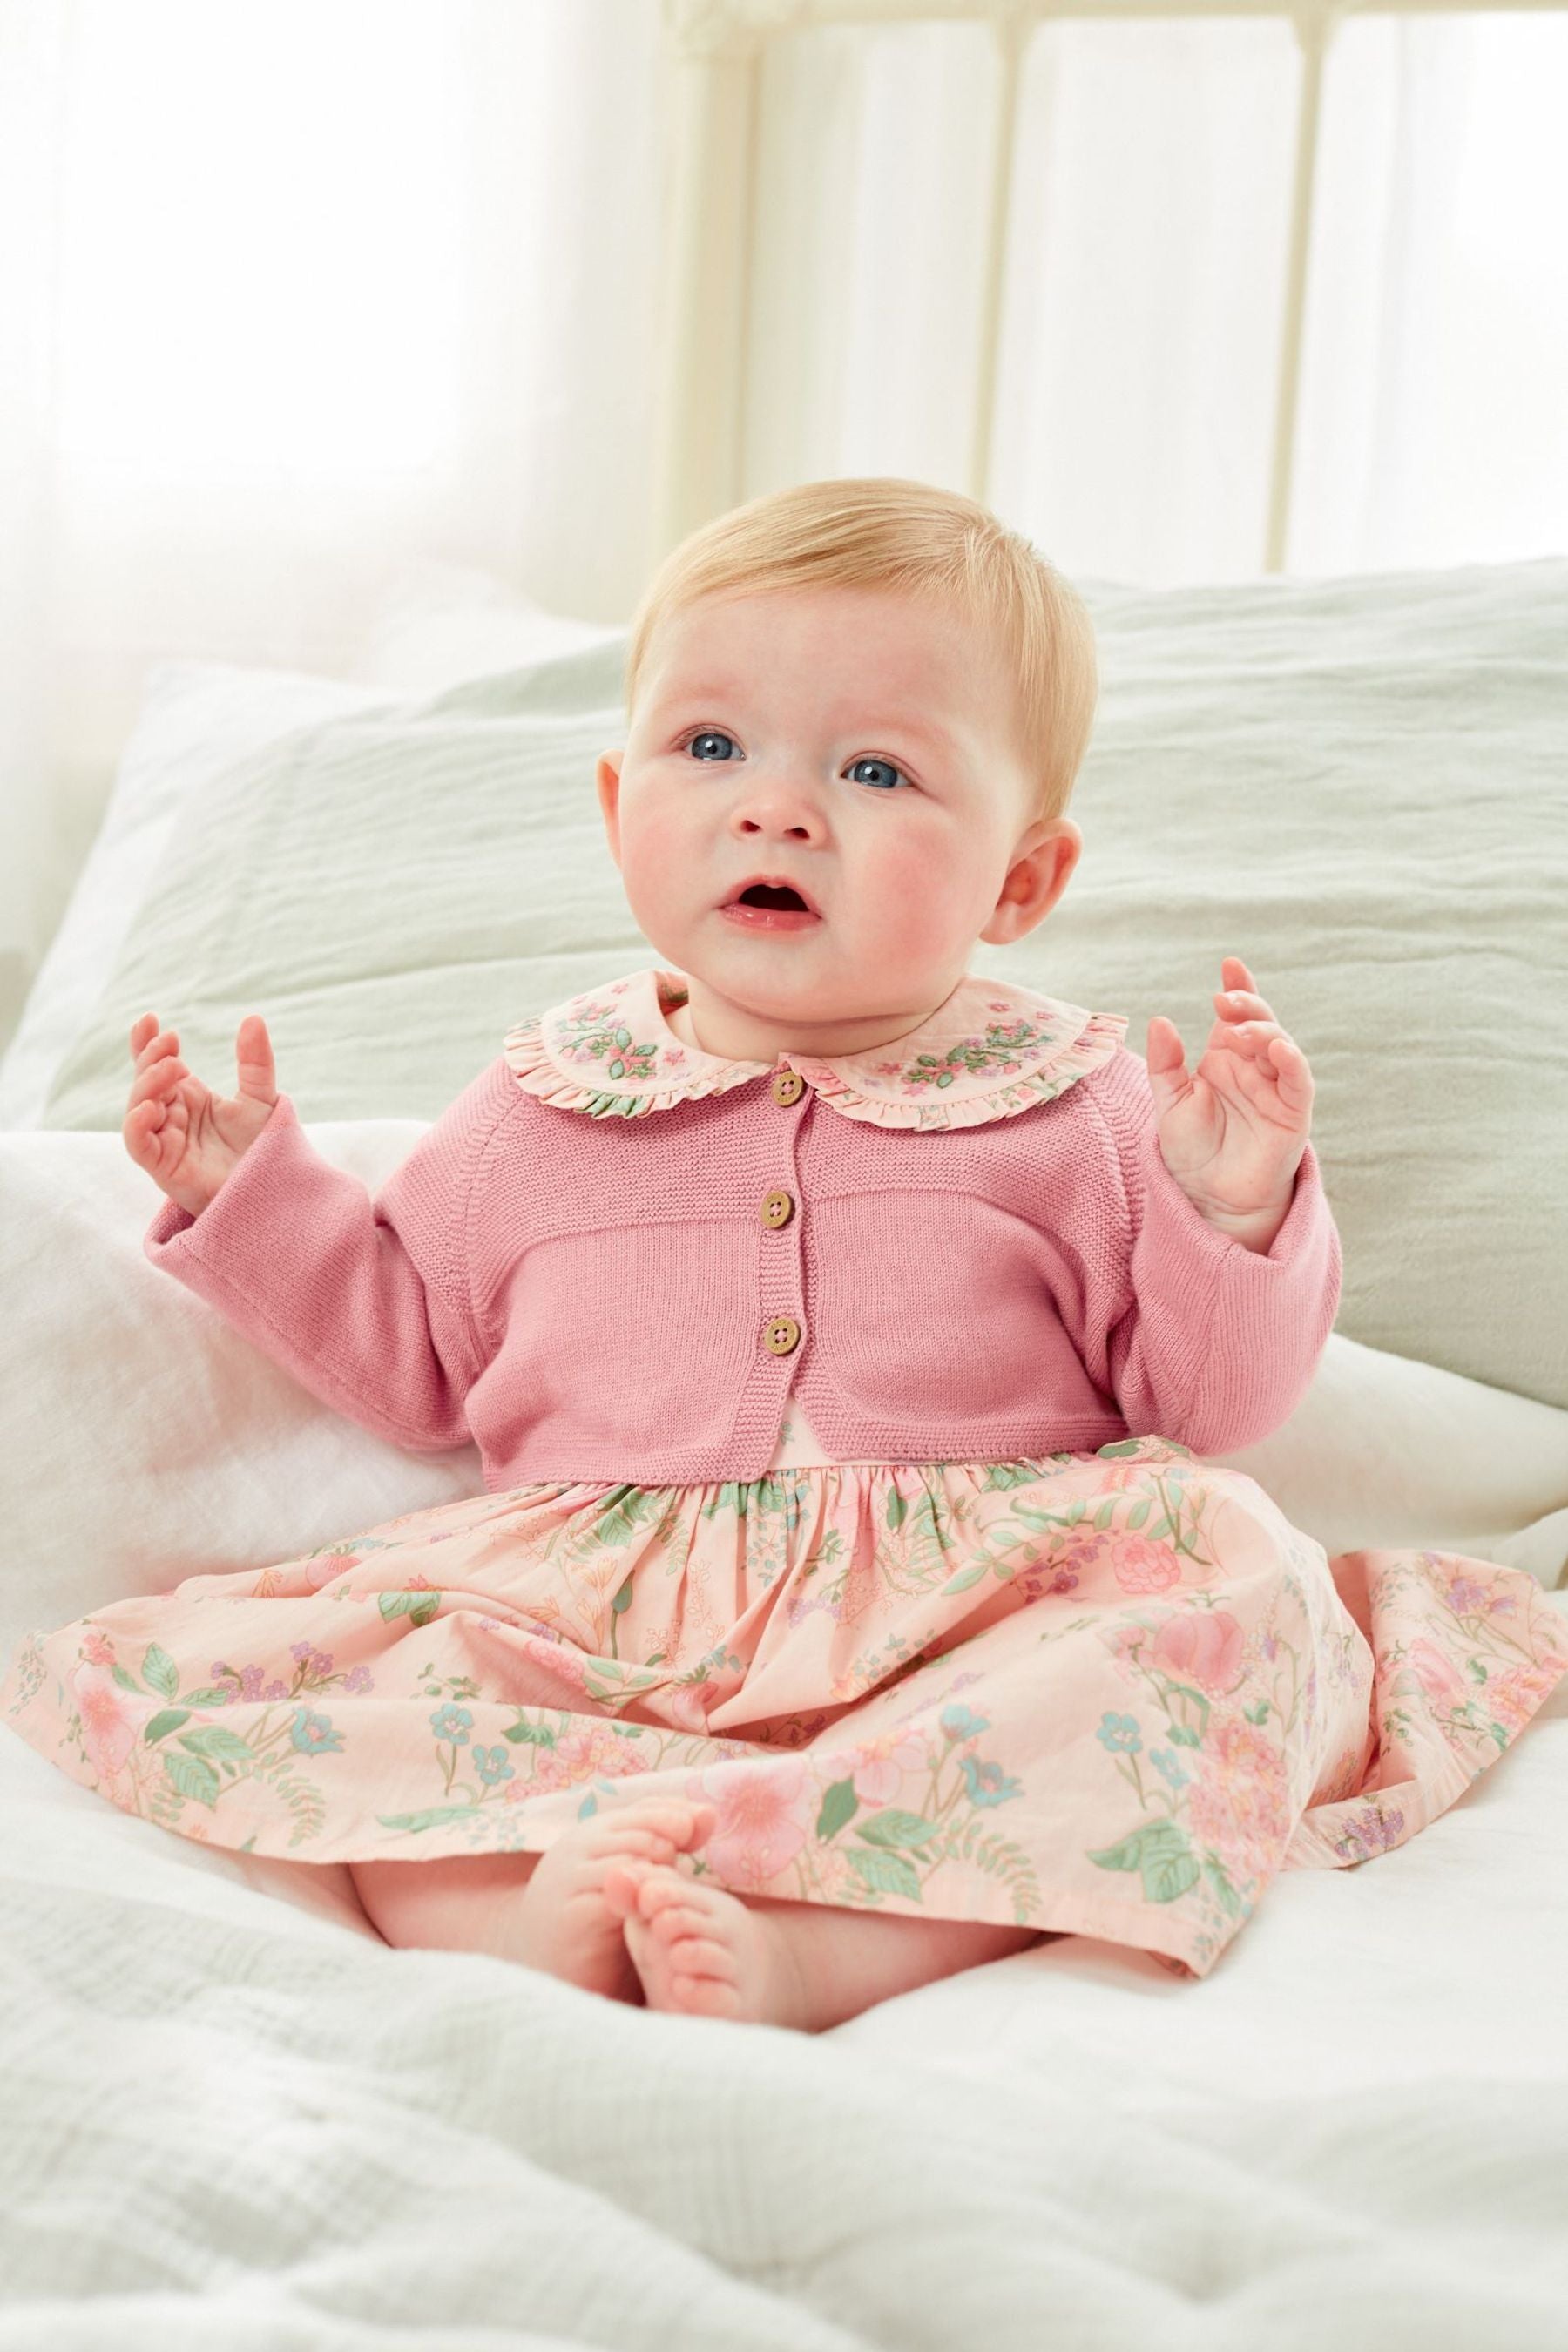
856 712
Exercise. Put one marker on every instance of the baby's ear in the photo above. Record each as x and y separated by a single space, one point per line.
607 783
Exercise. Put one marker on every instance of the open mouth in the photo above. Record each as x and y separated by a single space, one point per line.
769 894
771 907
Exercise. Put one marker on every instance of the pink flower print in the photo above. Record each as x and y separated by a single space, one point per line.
96 1649
1239 1801
1513 1698
596 1748
1433 1671
574 1752
1203 1646
880 1774
1141 1566
577 1757
109 1725
329 1565
756 1834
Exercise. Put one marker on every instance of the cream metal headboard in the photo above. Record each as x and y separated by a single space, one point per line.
714 47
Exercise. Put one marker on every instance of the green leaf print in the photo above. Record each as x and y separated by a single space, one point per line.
1135 1519
1170 1874
888 1873
966 1577
431 1819
169 1718
126 1682
538 1735
896 1828
1160 1851
418 1607
1117 1452
191 1777
839 1805
159 1672
215 1740
895 1507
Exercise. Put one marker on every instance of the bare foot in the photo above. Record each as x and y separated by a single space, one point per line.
563 1924
699 1948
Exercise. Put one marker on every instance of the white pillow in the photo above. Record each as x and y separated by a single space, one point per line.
147 1441
435 625
196 718
439 624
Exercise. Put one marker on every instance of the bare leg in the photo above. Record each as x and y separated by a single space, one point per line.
458 1903
546 1910
611 1912
700 1949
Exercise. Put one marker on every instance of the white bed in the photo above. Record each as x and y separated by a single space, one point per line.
234 2116
234 2112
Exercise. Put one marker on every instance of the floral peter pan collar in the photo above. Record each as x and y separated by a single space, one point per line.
990 1051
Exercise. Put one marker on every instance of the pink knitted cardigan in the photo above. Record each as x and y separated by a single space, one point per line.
614 1257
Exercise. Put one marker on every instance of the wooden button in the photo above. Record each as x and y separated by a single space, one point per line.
778 1210
781 1335
788 1087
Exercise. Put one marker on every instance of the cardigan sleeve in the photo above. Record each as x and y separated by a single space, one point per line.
364 1300
1219 1343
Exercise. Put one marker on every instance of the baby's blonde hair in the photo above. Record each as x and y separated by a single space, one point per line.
881 531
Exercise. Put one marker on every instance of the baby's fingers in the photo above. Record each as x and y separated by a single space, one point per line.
154 1133
153 1040
157 1080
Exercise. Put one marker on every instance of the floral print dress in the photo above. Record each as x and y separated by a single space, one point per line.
1110 1694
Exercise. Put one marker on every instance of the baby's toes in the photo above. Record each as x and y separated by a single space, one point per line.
683 1963
690 1922
677 1819
622 1884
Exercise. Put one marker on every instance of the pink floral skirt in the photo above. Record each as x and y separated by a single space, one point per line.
1103 1694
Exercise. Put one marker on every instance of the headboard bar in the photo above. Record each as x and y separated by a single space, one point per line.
713 49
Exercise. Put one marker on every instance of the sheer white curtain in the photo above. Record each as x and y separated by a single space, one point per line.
294 291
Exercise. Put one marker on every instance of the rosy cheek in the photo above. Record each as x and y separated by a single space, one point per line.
908 894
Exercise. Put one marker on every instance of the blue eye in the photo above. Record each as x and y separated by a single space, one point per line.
717 735
871 762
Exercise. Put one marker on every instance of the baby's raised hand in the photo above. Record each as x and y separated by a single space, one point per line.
185 1137
1233 1134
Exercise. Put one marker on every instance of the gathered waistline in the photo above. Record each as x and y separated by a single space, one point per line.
810 1469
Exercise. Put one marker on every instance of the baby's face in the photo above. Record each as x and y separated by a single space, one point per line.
856 744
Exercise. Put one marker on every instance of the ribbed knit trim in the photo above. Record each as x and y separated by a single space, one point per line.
991 1050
